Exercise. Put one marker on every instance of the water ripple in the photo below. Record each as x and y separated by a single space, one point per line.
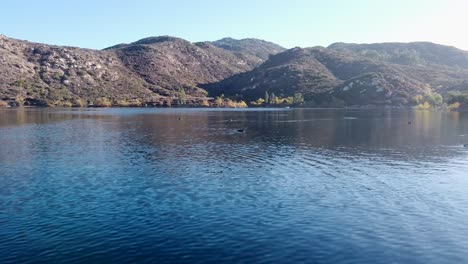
126 186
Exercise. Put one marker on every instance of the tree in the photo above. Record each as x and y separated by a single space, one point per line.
272 98
182 96
219 101
433 99
438 99
260 101
267 97
288 100
298 98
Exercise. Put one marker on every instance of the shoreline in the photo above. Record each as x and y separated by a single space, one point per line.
250 107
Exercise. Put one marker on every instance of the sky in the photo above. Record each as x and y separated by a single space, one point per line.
305 23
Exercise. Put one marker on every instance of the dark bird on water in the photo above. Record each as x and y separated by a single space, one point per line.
240 130
409 123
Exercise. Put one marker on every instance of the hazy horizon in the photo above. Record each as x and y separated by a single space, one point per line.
295 23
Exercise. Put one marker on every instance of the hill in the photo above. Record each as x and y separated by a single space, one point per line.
155 71
352 74
166 71
415 53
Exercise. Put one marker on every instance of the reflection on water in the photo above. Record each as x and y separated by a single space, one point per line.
183 185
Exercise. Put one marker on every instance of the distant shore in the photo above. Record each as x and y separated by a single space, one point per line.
248 107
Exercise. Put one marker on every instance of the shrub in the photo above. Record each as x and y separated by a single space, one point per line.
67 104
128 103
229 103
288 100
454 106
241 104
223 102
137 102
79 103
205 103
219 101
278 100
57 76
19 101
433 99
102 102
425 106
122 103
56 103
259 102
457 96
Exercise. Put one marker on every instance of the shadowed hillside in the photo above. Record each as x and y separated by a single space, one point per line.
347 74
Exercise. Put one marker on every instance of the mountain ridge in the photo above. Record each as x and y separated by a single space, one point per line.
166 71
155 71
343 73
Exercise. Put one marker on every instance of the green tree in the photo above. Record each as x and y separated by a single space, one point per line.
298 98
438 99
267 97
272 98
288 100
182 96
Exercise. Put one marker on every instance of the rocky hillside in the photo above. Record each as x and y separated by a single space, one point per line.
415 53
442 67
318 73
349 74
156 71
295 70
173 63
164 71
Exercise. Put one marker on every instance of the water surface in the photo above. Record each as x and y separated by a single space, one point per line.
184 186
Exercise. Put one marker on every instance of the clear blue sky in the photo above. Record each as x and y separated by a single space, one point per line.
98 24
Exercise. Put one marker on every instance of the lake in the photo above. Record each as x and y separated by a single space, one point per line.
185 186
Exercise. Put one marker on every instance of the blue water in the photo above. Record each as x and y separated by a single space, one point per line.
184 186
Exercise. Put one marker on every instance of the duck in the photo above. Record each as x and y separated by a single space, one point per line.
241 130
